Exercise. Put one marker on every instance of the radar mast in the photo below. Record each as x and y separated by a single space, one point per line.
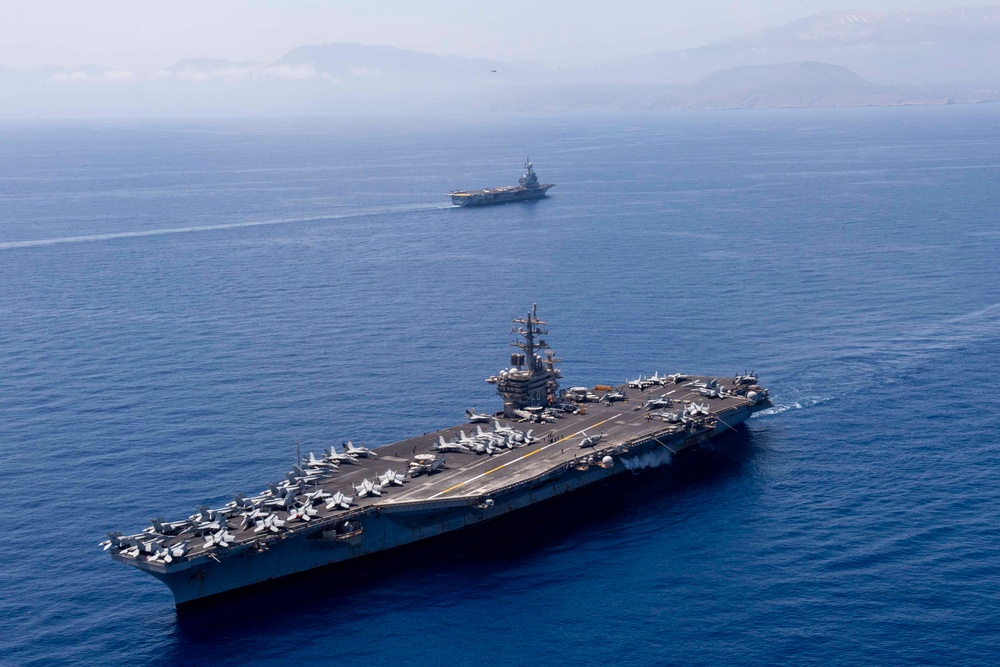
531 381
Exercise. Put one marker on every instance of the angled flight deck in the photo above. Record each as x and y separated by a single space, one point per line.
353 501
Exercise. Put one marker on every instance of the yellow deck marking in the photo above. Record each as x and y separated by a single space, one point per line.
524 456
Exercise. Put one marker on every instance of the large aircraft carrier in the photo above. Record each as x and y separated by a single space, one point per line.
353 501
527 188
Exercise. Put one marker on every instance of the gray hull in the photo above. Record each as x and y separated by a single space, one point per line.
499 196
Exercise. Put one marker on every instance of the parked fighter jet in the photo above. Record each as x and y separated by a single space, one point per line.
114 540
613 396
657 379
222 538
746 378
208 520
390 478
313 462
443 446
477 417
168 554
336 457
339 501
367 488
590 440
243 503
302 512
677 378
696 410
641 383
271 522
657 403
316 497
297 475
502 430
163 527
359 450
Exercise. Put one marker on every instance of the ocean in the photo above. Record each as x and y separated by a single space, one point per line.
183 301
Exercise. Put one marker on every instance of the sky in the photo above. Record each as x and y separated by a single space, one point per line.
137 34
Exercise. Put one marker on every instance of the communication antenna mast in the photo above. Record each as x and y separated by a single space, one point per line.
536 384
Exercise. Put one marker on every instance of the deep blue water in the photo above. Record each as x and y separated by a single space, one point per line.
181 301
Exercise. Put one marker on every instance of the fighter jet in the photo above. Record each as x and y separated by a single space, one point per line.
367 488
163 527
313 462
590 440
657 379
657 403
549 415
477 417
243 503
390 478
443 446
359 450
502 430
168 554
222 538
336 457
339 501
302 512
271 523
677 378
641 383
115 540
316 497
208 520
613 396
746 378
297 475
696 410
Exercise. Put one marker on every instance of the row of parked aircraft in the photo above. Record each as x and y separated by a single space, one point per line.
297 497
486 442
656 380
690 412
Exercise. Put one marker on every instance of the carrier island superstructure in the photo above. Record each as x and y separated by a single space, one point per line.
527 188
352 501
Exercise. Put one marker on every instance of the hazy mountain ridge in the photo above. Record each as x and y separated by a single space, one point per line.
909 48
841 27
844 58
786 85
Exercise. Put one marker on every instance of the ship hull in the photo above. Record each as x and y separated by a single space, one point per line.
498 196
386 526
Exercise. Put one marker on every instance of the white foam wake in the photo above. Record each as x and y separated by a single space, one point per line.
658 457
10 245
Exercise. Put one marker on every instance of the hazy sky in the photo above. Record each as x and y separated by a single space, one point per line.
136 34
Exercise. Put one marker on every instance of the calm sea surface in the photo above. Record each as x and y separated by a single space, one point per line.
181 301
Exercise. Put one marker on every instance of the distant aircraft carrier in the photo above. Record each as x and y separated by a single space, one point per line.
353 501
527 188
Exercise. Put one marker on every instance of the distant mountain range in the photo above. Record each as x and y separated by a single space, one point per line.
781 86
909 48
832 59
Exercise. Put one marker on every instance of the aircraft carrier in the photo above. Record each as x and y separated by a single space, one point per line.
527 188
352 501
